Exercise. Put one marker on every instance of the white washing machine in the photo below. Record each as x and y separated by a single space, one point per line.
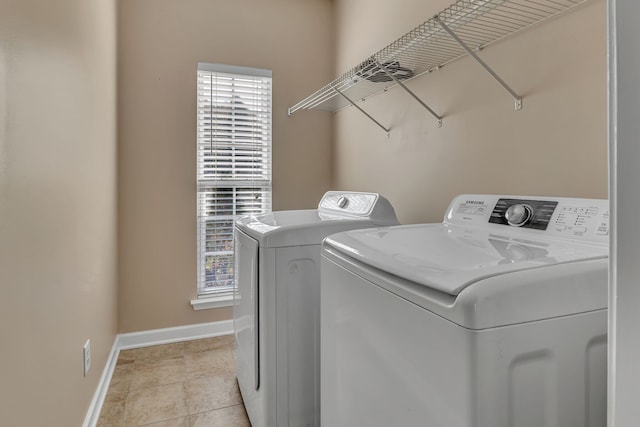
495 318
276 303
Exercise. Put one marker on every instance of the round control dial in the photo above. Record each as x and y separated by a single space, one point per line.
343 202
518 215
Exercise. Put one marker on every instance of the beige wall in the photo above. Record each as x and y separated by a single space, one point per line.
556 145
58 153
57 206
160 43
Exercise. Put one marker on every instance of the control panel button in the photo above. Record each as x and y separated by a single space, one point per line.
518 215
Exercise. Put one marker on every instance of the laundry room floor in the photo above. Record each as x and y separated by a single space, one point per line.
185 384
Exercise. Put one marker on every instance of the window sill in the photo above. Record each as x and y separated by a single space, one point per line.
217 301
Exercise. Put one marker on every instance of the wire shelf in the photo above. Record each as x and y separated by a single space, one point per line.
431 45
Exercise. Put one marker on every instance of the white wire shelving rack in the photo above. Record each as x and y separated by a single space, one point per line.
464 28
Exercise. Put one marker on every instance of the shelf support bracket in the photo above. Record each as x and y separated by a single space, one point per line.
403 86
361 110
518 98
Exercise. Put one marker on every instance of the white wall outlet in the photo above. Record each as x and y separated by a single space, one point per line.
86 353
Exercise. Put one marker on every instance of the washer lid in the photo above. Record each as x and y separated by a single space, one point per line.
449 258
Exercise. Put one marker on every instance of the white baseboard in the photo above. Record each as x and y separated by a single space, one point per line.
145 339
91 419
177 334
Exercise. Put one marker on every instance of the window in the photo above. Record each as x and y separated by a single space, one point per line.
234 163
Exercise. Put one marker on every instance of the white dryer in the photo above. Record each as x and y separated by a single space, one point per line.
495 318
276 303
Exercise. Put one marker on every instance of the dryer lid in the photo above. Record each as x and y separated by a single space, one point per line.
449 258
337 211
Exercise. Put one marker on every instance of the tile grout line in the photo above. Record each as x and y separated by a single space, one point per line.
163 421
217 409
188 416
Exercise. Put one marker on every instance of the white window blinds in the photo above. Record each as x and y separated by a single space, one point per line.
234 163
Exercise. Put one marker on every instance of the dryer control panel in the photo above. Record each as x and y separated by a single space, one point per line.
353 204
582 219
348 202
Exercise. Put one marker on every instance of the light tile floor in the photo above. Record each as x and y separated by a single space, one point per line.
186 384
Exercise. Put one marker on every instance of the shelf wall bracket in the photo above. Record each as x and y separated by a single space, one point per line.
409 91
361 110
518 98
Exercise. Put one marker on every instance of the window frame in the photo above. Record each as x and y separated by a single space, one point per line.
245 165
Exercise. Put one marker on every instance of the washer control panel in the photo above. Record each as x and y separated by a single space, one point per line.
579 220
534 214
582 219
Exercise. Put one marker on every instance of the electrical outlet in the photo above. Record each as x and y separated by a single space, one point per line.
86 353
